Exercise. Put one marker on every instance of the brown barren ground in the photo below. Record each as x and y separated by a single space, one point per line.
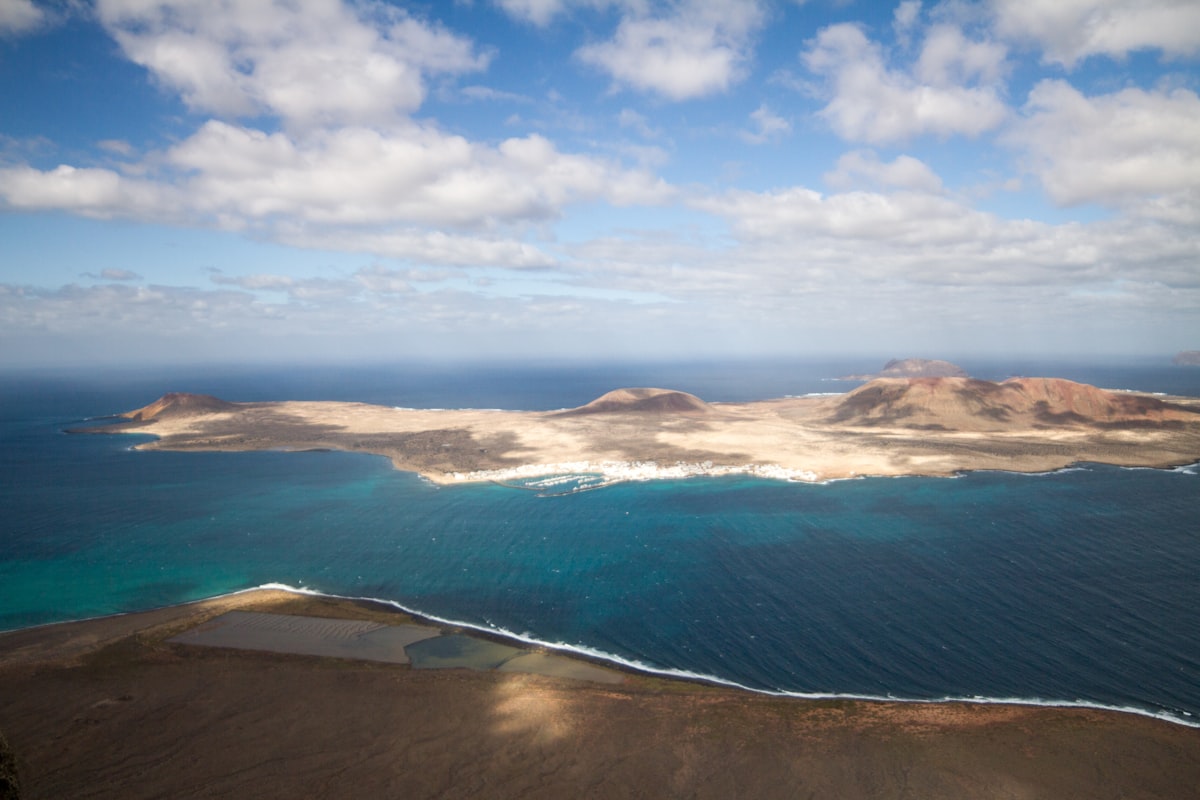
107 708
896 426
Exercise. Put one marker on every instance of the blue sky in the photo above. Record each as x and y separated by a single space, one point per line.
274 180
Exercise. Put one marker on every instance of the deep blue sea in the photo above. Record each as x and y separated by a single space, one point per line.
1077 586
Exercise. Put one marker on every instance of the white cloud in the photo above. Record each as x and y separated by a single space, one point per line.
255 282
90 192
539 12
873 103
486 93
904 20
918 238
421 246
119 275
402 193
904 172
1115 148
359 176
19 16
1068 31
767 125
697 48
948 59
312 63
628 118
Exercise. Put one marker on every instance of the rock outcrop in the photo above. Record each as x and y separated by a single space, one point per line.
179 404
968 404
642 401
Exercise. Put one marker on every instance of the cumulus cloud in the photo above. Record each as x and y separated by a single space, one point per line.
864 166
904 20
421 246
692 49
255 282
766 125
361 176
538 12
349 185
327 177
1068 32
1112 148
119 275
952 89
89 192
19 16
308 64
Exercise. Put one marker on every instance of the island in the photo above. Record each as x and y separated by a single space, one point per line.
1188 358
888 427
912 368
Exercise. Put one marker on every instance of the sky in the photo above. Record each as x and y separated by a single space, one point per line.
352 180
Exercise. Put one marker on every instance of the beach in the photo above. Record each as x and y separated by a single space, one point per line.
112 708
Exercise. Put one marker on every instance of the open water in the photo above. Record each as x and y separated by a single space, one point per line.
1075 586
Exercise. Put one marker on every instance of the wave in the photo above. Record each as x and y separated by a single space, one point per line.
1184 718
813 394
1182 469
498 410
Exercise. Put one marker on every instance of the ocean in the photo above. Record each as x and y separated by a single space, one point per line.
1077 586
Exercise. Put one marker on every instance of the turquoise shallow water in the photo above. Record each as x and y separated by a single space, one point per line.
1075 586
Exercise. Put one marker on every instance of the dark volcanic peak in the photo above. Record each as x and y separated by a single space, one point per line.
1188 358
913 368
180 403
643 401
969 404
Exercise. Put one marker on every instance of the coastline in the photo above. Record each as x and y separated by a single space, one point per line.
197 612
91 704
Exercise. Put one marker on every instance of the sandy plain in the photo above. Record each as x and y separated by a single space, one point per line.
112 708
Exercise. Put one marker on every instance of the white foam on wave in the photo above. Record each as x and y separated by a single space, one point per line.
614 472
1182 469
493 410
623 471
1183 718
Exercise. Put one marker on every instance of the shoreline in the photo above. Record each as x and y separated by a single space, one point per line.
614 472
111 708
612 661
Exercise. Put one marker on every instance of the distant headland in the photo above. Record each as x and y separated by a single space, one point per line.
887 427
1188 358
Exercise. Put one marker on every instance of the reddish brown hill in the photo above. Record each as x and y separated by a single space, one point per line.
179 403
643 401
969 404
